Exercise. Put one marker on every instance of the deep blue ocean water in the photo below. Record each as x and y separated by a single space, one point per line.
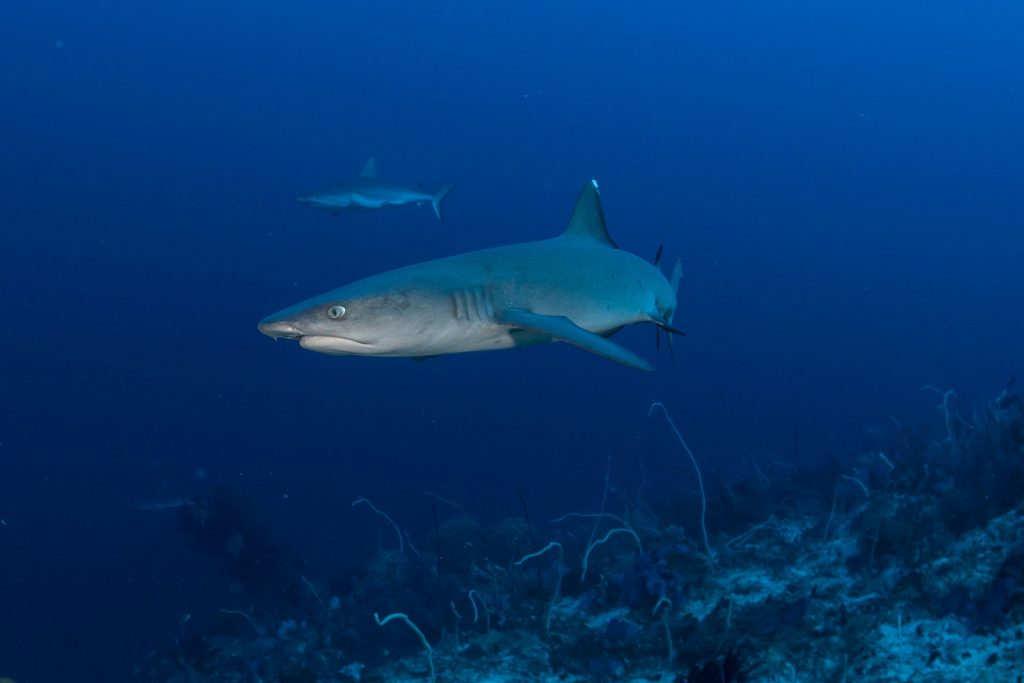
843 183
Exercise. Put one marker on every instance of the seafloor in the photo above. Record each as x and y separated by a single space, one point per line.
903 563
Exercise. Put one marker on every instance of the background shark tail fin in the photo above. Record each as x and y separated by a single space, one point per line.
438 199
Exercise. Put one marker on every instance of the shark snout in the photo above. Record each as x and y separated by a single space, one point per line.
279 329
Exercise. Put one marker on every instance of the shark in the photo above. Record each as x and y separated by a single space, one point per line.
367 191
579 288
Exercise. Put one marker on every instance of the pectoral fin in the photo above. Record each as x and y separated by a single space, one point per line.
563 329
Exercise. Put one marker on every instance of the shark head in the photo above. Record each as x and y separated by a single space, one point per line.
354 320
326 202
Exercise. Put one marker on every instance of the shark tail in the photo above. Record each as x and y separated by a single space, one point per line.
677 276
666 322
437 200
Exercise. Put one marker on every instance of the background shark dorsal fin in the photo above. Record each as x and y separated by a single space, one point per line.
587 219
369 168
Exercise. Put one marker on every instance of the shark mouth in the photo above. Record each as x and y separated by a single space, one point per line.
336 345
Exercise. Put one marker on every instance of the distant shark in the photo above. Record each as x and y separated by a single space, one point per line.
367 191
578 288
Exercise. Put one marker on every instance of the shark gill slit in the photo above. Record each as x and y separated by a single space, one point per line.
478 301
457 302
488 304
473 305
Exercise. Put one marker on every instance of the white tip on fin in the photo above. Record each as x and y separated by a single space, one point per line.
587 219
369 168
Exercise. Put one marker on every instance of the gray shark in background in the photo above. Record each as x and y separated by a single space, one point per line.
578 288
367 191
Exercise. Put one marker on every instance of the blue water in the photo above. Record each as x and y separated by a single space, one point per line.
843 183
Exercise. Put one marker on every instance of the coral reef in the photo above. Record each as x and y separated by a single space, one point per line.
904 562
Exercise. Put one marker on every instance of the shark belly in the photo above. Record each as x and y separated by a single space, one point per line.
483 337
368 202
466 323
383 199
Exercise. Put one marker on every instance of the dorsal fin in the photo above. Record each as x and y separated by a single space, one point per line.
587 219
369 168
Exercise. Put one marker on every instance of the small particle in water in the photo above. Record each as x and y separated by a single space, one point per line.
59 44
200 473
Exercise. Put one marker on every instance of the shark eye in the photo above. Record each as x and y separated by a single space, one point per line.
335 312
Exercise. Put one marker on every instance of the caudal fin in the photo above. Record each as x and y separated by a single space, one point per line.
438 199
663 322
677 275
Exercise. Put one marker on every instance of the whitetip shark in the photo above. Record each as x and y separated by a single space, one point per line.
578 288
368 191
